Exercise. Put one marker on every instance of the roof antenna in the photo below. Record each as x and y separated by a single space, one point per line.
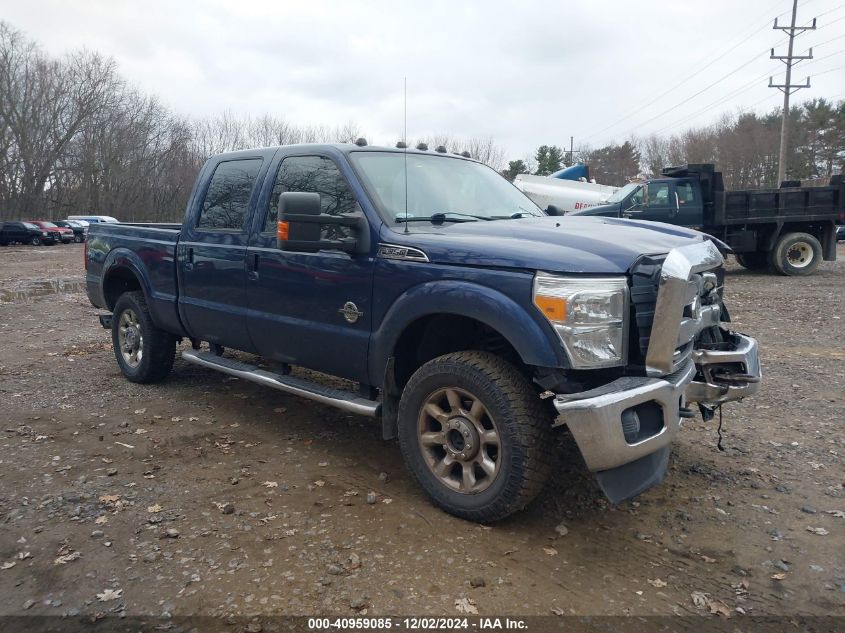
405 151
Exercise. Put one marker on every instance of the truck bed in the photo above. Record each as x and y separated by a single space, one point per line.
148 249
787 204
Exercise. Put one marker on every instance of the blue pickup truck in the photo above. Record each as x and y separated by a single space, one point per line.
473 323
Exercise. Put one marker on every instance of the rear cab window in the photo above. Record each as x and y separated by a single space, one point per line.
226 203
686 193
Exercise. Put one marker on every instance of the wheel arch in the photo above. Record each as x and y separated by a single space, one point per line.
123 272
440 305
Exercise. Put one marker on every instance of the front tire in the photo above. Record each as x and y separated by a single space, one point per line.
144 352
35 241
475 435
77 239
797 254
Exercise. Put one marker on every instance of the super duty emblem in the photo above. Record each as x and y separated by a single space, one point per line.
350 312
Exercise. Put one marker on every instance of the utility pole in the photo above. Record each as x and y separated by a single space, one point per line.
788 87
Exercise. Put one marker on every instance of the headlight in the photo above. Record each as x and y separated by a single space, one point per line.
44 233
589 316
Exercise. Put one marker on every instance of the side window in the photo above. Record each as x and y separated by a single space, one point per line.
658 194
227 200
313 174
686 194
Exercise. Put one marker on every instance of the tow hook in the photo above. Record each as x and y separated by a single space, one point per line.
105 321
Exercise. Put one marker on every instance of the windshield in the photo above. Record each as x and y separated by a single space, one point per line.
29 225
448 188
622 193
47 225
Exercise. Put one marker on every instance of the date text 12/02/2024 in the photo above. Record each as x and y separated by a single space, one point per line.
424 623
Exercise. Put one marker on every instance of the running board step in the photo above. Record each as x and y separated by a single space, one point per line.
289 384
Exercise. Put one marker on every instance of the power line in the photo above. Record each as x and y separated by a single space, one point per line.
788 87
831 70
743 88
756 56
687 78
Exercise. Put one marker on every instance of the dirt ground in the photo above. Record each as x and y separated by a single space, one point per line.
209 495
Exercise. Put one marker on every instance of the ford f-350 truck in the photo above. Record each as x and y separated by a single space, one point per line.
472 322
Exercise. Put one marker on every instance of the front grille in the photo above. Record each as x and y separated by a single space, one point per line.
645 283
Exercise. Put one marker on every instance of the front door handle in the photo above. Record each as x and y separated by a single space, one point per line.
189 259
252 273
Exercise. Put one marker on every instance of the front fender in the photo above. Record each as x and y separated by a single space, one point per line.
529 334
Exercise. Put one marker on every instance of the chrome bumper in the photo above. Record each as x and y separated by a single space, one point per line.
595 418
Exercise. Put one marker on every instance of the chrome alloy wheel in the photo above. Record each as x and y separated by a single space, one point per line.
459 440
799 255
130 338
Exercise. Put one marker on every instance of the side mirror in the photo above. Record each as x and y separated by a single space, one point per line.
300 225
553 209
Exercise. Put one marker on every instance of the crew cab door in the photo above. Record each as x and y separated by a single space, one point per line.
297 299
211 254
670 201
657 203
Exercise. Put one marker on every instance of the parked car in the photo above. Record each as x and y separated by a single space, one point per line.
65 234
79 230
840 233
472 322
94 219
27 233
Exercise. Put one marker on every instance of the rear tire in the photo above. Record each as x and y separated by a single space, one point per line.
475 435
144 352
753 261
796 254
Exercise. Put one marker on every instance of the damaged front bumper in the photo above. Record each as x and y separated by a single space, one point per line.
624 428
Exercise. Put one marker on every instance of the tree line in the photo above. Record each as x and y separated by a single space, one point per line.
76 138
744 147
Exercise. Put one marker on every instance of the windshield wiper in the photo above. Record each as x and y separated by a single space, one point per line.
439 218
515 216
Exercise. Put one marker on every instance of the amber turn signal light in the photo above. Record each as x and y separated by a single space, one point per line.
282 229
553 307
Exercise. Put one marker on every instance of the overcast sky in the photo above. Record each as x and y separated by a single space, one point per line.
525 73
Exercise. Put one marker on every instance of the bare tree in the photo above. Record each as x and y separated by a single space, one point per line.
43 105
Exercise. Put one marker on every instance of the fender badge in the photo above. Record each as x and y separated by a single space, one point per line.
350 312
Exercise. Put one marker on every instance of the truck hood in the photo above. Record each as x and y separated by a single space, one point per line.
569 244
612 210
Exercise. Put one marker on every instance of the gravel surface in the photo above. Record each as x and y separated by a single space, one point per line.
209 495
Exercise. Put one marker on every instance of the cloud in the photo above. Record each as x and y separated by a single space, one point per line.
525 73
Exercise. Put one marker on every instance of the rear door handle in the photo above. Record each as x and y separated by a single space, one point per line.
252 273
